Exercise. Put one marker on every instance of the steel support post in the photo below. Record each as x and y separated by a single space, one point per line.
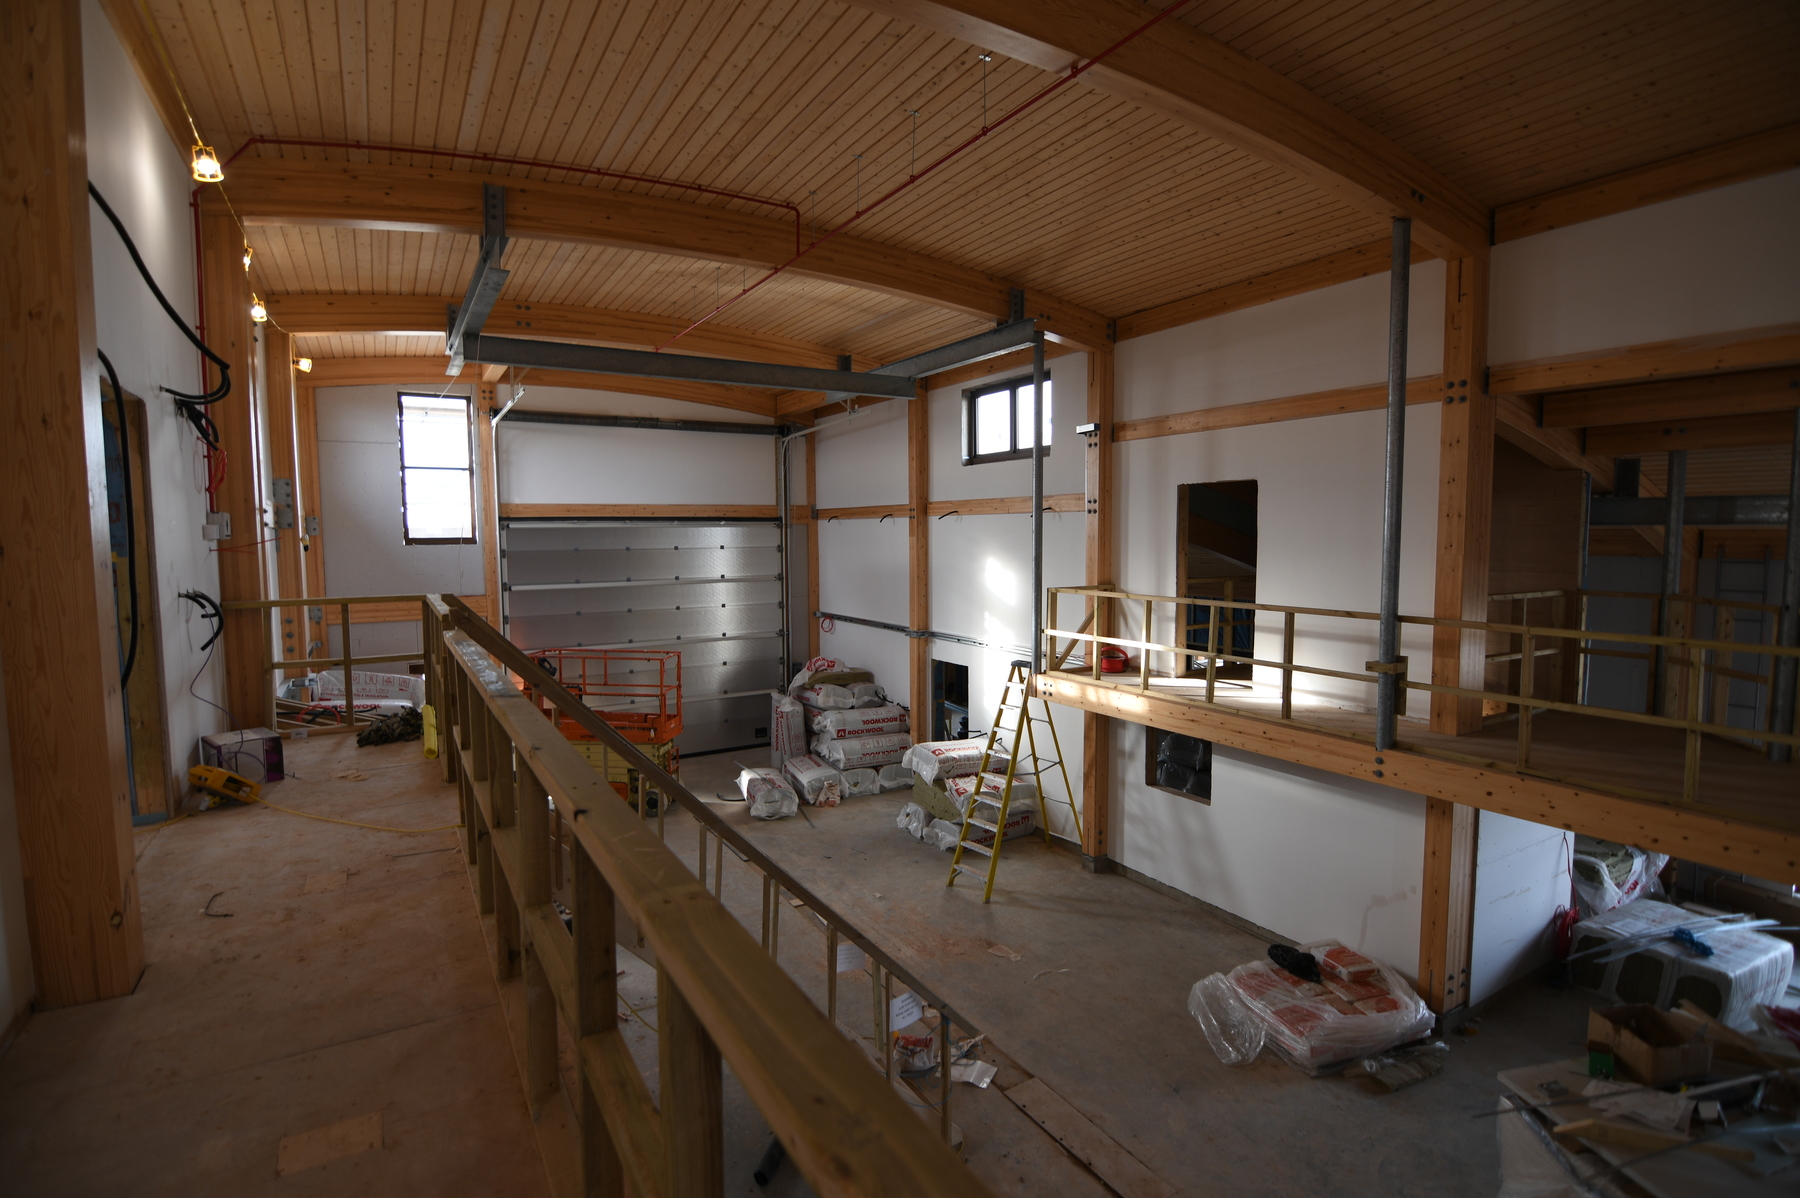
1387 686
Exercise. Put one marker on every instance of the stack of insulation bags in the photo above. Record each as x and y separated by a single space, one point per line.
947 782
835 734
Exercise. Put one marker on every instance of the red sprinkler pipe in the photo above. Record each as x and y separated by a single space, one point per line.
596 172
1074 74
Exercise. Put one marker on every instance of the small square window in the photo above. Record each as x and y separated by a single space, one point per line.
437 479
1000 419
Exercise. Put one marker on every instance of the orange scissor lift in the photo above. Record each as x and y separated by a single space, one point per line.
636 691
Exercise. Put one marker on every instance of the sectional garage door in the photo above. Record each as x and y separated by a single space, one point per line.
710 589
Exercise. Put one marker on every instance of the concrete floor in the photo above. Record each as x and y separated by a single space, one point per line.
1096 1007
338 1033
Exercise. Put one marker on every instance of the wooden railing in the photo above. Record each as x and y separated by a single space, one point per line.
720 995
1699 657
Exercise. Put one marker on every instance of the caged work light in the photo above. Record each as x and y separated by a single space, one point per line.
206 165
303 365
258 313
248 254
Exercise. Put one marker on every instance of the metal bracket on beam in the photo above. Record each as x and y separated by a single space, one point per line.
485 282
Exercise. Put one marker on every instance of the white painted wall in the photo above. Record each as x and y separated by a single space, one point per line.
144 176
1715 262
1521 878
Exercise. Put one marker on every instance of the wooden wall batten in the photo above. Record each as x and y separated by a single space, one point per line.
487 491
59 640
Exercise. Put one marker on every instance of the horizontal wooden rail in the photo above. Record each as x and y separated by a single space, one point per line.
721 996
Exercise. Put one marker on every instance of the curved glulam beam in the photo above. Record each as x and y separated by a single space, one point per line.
1176 70
280 191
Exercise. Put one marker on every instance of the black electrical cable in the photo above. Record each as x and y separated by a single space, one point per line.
224 388
210 609
130 518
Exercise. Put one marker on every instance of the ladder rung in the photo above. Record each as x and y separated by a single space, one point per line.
973 847
970 870
981 823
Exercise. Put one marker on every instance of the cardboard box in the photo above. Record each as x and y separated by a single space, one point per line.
254 753
1649 1046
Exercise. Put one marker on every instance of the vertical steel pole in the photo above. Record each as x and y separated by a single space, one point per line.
1674 532
1387 687
1788 628
1037 502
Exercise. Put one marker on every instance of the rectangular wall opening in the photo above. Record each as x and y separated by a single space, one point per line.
1216 559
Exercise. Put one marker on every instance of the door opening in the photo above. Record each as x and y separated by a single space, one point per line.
1216 559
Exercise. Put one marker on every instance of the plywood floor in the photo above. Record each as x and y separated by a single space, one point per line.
317 1015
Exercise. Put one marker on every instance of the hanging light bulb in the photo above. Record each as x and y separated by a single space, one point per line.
248 254
206 165
303 365
258 313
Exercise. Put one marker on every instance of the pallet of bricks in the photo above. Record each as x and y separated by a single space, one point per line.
835 735
636 691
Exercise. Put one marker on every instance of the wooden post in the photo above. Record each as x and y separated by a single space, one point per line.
812 550
487 487
1447 906
310 514
918 547
596 1013
290 572
1465 498
230 333
692 1097
1096 730
60 637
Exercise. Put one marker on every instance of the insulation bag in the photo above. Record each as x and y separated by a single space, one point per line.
936 760
1307 1022
868 694
1609 875
914 820
787 728
768 794
827 697
817 782
861 782
991 786
861 721
861 751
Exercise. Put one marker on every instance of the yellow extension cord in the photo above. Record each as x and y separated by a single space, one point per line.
349 823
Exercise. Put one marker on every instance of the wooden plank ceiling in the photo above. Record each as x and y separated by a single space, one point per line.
1086 197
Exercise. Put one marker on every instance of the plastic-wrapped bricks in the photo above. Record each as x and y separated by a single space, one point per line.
937 760
1745 968
816 782
862 751
1315 1025
768 794
861 721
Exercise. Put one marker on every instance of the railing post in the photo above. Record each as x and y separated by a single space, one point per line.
831 971
1094 645
1527 670
506 908
349 674
1690 773
1144 653
1212 648
597 1007
534 888
1287 658
692 1099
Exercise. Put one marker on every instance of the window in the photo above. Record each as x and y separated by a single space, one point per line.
1000 420
437 486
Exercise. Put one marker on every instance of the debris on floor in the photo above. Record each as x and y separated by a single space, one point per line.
402 725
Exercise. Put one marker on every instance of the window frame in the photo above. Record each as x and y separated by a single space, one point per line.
971 400
400 446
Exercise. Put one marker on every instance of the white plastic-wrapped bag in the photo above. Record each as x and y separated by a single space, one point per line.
1235 1032
1317 1025
913 819
861 782
827 697
942 833
787 728
991 786
868 694
858 751
861 721
817 782
936 760
1609 875
768 794
893 777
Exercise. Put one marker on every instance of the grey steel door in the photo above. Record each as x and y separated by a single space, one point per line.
709 589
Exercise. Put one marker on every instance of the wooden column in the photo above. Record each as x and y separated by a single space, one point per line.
1458 658
309 511
59 640
284 459
918 549
1096 730
248 694
1448 911
692 1094
487 507
1465 497
812 547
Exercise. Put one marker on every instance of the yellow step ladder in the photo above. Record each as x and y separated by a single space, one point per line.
1014 734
